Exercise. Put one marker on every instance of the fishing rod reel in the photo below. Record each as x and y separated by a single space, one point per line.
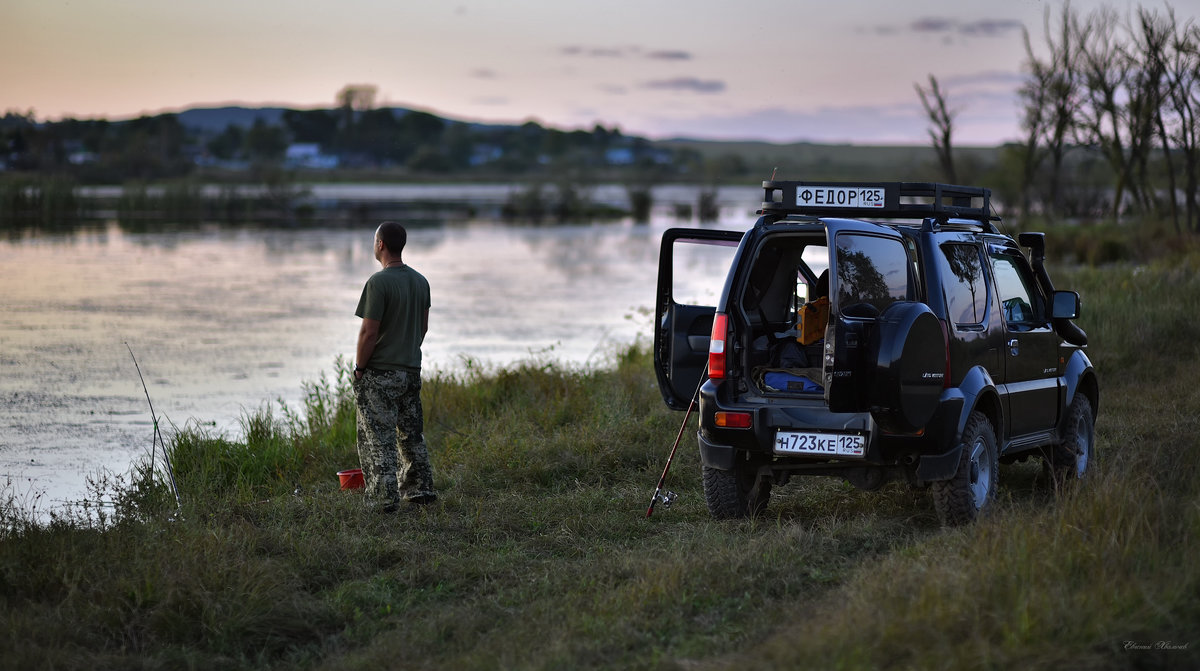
665 499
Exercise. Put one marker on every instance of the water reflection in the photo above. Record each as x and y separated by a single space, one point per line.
222 320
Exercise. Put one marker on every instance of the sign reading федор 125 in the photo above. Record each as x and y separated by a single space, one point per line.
839 196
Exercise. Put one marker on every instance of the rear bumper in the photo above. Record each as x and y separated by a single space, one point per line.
930 455
718 444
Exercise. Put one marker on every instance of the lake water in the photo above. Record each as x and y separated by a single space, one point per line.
222 321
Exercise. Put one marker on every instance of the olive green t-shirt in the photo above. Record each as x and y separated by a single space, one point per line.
397 297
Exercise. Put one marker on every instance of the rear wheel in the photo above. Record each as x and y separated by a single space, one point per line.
971 492
732 494
1070 460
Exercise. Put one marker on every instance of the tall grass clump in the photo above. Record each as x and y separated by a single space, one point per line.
275 455
42 201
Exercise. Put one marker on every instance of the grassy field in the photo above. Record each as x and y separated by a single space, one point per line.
538 554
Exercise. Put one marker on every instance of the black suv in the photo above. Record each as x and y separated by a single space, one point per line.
922 344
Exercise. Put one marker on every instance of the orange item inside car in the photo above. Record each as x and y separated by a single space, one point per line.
813 318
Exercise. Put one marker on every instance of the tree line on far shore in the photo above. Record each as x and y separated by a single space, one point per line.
354 135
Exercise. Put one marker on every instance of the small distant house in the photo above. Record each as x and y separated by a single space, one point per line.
482 154
308 155
82 157
77 154
619 156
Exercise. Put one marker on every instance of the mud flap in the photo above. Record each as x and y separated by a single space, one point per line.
714 455
932 467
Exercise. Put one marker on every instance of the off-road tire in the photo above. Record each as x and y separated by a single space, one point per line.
1070 460
728 493
971 493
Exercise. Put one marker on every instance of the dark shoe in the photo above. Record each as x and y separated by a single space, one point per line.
423 500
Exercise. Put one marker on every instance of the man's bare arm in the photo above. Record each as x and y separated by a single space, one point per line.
368 334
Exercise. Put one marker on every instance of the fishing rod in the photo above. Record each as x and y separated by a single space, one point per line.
157 438
669 497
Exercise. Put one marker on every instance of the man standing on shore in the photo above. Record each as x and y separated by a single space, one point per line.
394 308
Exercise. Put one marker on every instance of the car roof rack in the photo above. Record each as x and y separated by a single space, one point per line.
879 200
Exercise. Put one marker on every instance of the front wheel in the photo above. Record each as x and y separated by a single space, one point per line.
1070 460
972 491
733 494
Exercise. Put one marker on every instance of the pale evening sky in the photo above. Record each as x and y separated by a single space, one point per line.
775 70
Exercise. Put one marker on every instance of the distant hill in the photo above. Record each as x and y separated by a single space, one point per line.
216 119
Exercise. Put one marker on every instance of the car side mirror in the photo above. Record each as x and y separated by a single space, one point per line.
1065 305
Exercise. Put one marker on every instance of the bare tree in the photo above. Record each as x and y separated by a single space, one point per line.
1034 94
1101 121
1064 98
1148 93
942 120
358 97
354 99
1181 129
1051 102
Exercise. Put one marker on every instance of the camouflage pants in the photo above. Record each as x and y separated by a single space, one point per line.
391 445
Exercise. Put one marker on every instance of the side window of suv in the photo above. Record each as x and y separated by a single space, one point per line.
1015 286
872 273
965 288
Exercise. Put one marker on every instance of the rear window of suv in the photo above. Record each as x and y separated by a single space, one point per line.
871 271
965 288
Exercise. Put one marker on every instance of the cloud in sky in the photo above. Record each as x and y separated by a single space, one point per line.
949 29
976 28
670 55
624 52
593 52
687 84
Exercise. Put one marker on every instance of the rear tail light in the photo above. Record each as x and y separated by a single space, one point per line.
732 420
716 348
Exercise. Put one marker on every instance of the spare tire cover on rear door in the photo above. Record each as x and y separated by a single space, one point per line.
909 350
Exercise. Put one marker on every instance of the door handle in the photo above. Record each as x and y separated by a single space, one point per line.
1013 346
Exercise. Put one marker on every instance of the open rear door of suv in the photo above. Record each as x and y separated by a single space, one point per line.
886 351
692 268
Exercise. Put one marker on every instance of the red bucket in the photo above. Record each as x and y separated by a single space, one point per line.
351 478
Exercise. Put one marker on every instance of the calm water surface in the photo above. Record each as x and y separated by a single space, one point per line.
224 321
